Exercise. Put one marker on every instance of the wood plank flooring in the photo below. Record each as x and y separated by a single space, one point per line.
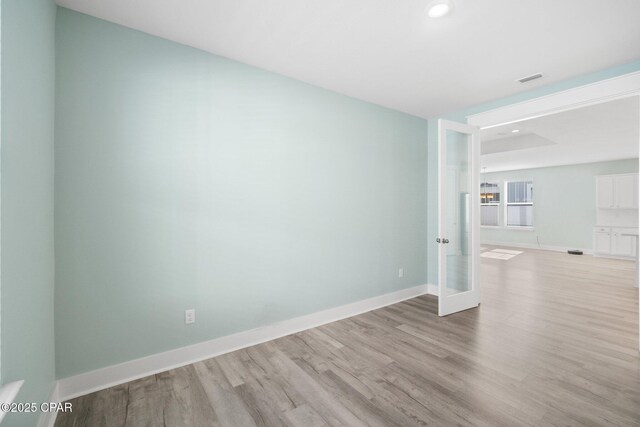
555 342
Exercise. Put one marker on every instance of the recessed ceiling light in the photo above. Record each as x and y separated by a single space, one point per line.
439 8
515 131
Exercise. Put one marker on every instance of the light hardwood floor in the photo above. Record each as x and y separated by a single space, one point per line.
555 342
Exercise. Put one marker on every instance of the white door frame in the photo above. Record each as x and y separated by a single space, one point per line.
595 93
449 304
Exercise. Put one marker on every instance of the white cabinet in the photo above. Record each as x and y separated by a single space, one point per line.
615 241
602 241
617 209
625 187
604 192
623 243
617 191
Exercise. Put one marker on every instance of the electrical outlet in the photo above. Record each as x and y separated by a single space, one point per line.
401 272
190 316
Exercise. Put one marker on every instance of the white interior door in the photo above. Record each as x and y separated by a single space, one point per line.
459 217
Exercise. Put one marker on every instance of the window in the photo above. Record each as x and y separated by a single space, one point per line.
519 204
489 203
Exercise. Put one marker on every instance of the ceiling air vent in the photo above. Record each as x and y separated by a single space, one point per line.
529 78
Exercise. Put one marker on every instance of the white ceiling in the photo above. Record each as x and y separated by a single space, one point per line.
389 52
607 131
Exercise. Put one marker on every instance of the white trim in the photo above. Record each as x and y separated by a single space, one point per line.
506 204
507 227
48 419
535 246
517 228
449 304
620 257
89 382
432 289
582 96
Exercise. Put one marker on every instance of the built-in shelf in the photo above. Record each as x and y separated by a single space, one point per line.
617 215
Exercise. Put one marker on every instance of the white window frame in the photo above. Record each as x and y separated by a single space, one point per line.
501 192
507 204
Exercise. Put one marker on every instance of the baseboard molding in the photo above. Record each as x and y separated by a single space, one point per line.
89 382
432 289
48 419
536 246
623 258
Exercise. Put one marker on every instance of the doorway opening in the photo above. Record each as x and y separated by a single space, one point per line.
558 181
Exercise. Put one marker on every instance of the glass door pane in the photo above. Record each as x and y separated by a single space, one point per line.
458 213
459 217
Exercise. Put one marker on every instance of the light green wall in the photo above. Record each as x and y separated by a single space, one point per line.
564 203
26 170
460 116
186 180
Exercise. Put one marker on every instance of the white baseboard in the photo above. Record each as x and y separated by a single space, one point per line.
624 258
432 289
89 382
48 419
535 246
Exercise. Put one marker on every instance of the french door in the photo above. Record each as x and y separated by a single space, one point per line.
459 217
